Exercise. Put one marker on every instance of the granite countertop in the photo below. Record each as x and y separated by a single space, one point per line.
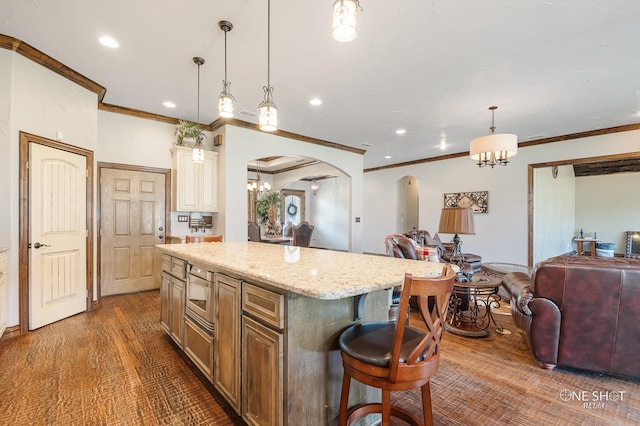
321 274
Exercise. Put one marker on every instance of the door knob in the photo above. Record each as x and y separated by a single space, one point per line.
161 236
161 229
38 245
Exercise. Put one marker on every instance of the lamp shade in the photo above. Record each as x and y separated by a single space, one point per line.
456 220
495 143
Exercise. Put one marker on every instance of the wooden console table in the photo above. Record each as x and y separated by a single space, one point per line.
592 246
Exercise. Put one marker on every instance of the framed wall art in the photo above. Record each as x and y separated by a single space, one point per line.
477 201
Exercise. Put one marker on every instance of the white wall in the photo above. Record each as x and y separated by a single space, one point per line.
330 213
608 205
328 210
42 103
241 145
501 234
554 212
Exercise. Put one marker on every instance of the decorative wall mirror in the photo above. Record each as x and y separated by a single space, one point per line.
632 248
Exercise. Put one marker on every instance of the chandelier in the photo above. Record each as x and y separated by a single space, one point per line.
493 149
256 185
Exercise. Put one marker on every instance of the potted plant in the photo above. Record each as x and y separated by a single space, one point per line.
188 130
268 207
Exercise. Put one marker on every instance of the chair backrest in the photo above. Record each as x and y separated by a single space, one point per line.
287 229
433 299
400 246
253 231
302 234
203 239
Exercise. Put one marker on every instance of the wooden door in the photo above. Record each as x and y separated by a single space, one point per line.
58 234
132 221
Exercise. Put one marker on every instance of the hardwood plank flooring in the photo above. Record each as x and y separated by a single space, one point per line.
115 366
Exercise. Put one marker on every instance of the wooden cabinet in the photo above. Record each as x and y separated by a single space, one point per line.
176 310
226 353
172 297
195 185
262 368
3 291
262 356
165 285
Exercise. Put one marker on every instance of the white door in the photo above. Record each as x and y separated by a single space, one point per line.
132 212
58 235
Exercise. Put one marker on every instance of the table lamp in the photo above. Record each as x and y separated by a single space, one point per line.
456 220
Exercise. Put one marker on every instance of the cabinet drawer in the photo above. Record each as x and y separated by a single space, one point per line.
178 268
166 263
263 304
198 345
199 271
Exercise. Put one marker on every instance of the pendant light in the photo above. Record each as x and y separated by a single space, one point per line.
267 110
345 20
493 149
226 100
198 148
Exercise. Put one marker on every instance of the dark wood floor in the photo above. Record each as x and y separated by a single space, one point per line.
115 366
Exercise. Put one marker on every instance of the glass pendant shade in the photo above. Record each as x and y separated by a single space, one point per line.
225 100
198 153
225 105
345 20
268 116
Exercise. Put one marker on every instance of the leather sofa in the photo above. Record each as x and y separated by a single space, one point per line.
581 312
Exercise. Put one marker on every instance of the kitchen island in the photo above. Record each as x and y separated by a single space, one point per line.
278 313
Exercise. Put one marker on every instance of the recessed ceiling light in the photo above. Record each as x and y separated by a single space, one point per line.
109 42
169 104
316 101
401 132
387 157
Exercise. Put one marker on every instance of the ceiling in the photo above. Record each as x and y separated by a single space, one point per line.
430 67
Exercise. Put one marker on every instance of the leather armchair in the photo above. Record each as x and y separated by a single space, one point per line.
444 249
580 312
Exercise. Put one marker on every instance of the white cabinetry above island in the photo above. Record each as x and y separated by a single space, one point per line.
194 184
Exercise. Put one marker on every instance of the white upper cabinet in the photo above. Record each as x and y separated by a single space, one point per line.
195 185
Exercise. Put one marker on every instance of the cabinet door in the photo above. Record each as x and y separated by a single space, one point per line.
176 311
226 354
195 185
186 188
209 182
165 285
262 365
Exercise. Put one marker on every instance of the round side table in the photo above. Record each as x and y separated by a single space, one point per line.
469 312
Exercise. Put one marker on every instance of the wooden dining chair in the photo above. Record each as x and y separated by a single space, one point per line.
394 356
253 231
302 234
203 239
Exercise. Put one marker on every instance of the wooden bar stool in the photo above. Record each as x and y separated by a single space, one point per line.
393 356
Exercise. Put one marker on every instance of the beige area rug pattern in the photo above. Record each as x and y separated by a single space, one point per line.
496 381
